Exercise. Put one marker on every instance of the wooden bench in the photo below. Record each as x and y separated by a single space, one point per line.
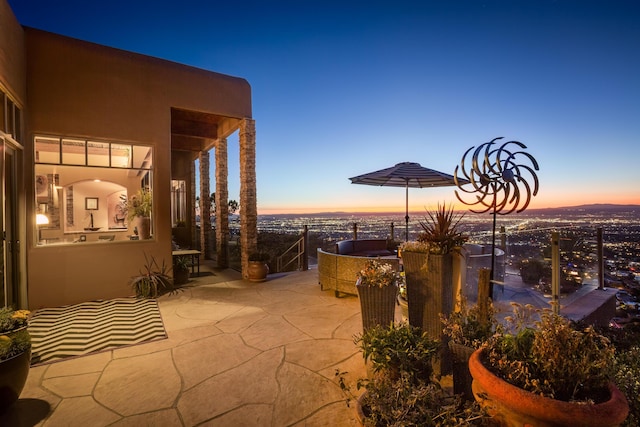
195 257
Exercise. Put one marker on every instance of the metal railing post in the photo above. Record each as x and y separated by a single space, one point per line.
305 248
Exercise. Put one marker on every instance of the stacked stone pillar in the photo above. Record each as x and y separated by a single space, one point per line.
205 205
248 193
222 203
192 202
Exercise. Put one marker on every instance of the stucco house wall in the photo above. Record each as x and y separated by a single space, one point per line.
12 55
81 89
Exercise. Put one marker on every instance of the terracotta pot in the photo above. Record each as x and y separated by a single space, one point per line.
513 406
144 227
377 305
13 376
258 271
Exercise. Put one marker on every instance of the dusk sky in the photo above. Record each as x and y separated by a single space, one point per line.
342 88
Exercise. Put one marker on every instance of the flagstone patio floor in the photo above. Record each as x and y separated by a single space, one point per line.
237 354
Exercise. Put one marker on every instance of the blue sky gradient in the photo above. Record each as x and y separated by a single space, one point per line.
341 88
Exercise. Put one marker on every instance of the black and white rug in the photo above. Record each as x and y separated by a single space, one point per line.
76 330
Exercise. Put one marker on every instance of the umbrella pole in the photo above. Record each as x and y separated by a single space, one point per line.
406 216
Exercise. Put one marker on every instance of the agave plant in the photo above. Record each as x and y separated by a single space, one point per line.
151 279
440 230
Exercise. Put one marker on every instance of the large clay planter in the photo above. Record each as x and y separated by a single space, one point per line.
258 271
13 376
144 227
511 406
377 305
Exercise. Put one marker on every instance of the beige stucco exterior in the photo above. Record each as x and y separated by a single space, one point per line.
80 89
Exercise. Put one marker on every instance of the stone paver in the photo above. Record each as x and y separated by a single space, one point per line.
237 354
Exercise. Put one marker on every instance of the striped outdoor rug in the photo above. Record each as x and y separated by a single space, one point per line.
76 330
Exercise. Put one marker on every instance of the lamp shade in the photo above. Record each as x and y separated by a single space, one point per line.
42 219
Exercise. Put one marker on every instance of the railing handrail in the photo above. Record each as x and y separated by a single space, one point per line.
298 257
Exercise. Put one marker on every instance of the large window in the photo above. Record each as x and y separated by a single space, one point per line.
10 117
85 188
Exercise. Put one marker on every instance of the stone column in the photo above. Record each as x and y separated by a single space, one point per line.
248 193
205 204
192 203
222 203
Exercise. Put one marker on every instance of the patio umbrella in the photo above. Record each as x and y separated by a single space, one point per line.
406 174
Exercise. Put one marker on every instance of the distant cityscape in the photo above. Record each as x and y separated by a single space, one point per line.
527 234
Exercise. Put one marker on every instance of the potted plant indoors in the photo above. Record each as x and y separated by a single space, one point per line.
15 354
402 389
377 291
258 266
467 328
181 265
549 373
139 209
152 279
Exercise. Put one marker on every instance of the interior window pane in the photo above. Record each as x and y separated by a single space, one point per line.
120 156
9 117
98 153
18 124
73 152
83 190
47 150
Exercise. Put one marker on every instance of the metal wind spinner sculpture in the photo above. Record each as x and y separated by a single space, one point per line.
498 178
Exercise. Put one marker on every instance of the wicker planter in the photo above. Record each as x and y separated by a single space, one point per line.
415 270
429 293
512 406
377 305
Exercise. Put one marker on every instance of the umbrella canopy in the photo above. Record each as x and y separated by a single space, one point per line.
406 174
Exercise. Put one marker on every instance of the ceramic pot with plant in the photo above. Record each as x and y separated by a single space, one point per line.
152 279
377 291
547 373
258 266
15 355
402 390
181 265
139 209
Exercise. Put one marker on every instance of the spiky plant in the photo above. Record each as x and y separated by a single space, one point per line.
440 230
152 278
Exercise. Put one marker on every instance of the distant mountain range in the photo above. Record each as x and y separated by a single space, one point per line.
567 210
592 208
